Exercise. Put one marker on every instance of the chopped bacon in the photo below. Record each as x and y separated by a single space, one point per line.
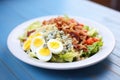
74 34
72 27
29 32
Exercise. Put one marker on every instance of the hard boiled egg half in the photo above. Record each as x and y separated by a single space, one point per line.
37 42
27 43
35 35
44 54
55 46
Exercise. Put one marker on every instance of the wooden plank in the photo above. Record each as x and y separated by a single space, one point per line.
8 22
114 27
15 66
116 51
116 60
113 67
31 10
5 72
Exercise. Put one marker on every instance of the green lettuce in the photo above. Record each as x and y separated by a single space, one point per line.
22 38
56 58
92 32
66 57
94 48
31 54
34 26
31 27
86 27
66 17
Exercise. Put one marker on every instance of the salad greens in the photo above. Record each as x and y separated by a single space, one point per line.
93 41
66 57
34 26
92 32
92 49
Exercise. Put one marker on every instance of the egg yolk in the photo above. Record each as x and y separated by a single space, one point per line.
26 45
35 35
54 45
44 52
38 42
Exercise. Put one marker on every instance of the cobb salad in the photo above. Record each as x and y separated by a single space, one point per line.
60 39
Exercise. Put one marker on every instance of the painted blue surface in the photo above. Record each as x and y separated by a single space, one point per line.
14 12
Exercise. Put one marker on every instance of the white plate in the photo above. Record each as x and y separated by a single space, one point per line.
15 48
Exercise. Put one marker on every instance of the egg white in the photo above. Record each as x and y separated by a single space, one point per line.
26 44
42 57
34 48
57 50
35 34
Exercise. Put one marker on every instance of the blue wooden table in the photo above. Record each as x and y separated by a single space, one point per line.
14 12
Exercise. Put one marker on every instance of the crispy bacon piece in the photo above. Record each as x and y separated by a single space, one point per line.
29 32
75 34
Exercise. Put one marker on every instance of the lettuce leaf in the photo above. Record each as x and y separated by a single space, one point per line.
31 27
92 32
56 58
34 26
66 57
22 38
31 54
94 48
66 18
86 27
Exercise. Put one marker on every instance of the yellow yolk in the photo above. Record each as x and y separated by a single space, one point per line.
44 52
54 45
35 35
26 45
38 42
